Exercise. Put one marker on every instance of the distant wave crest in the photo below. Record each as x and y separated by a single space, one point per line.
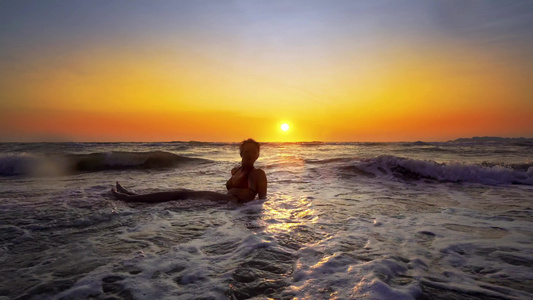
413 169
26 164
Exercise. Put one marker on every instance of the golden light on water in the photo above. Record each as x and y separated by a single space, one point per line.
288 213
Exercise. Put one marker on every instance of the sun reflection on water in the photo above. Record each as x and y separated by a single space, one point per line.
286 213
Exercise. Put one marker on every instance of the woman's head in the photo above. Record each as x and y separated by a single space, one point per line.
249 150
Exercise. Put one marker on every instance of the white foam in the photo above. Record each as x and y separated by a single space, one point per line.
452 171
29 164
343 276
371 238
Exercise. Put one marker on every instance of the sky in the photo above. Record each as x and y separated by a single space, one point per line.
224 71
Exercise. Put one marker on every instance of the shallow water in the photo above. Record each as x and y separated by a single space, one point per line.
341 221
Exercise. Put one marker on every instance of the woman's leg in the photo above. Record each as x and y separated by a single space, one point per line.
122 190
172 195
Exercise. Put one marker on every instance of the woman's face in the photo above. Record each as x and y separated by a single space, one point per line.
249 153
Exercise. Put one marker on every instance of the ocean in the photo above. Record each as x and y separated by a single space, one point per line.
413 220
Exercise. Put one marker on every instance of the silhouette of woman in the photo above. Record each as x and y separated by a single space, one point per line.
245 183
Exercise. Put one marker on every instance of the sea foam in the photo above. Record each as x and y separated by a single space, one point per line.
414 169
47 165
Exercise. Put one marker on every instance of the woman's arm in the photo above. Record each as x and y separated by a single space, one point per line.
261 183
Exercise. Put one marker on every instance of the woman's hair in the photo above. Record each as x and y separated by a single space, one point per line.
249 141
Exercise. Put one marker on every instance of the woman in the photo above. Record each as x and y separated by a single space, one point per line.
245 182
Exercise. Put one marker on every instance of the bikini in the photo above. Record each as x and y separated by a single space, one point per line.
241 184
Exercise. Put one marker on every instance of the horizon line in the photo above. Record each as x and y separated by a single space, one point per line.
287 142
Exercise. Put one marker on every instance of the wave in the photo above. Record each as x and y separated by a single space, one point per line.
328 160
41 165
493 139
413 169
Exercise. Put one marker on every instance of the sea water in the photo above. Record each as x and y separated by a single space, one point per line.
449 220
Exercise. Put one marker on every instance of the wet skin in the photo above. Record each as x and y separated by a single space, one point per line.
238 189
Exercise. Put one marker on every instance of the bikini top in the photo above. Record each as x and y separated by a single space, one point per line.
242 183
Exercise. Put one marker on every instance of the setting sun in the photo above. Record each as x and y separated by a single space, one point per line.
442 79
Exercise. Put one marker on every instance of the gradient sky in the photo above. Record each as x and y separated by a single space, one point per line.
229 70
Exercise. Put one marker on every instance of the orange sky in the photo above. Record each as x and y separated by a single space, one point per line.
248 68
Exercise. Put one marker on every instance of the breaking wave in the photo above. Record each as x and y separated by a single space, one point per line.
26 164
413 169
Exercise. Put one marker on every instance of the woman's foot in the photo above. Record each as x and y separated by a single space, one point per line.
122 190
119 195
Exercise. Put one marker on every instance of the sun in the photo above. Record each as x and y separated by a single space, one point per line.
284 126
